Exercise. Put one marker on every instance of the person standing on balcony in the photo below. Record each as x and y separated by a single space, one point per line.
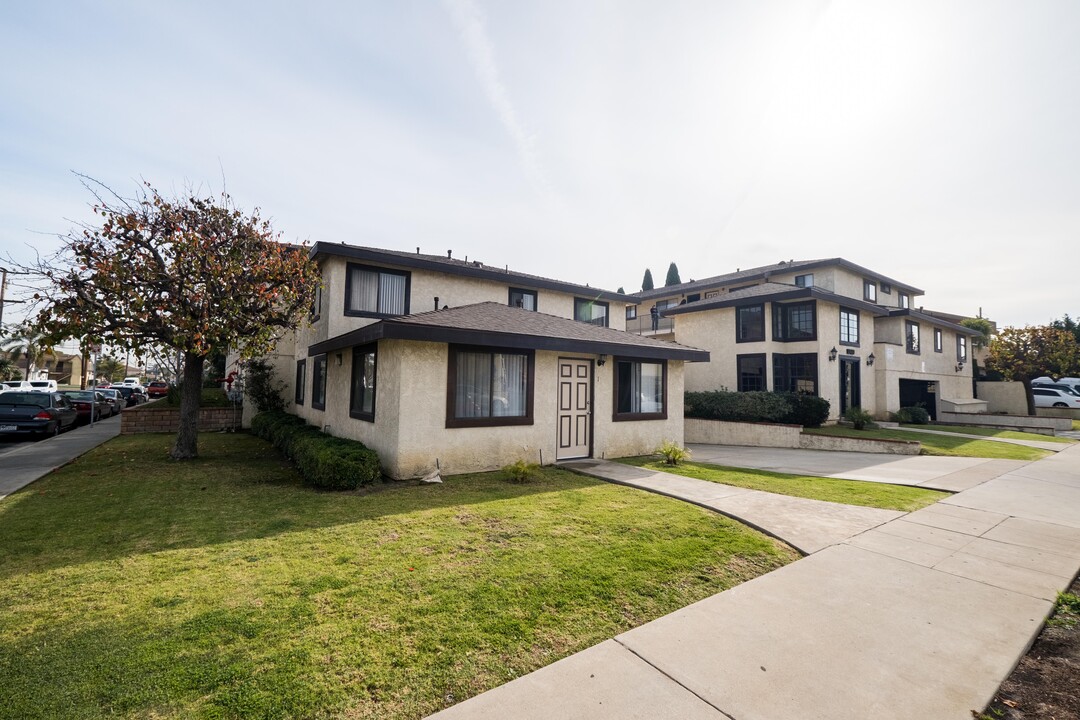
655 318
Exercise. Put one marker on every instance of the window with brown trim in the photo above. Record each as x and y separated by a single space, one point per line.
911 337
301 380
869 290
318 383
938 344
640 391
488 386
796 373
793 322
375 291
594 312
750 323
523 298
751 369
362 384
849 327
961 348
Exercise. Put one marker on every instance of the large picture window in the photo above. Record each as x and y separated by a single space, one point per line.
911 337
593 312
489 386
301 380
795 373
376 292
362 385
849 327
523 298
793 322
750 323
751 372
318 383
640 390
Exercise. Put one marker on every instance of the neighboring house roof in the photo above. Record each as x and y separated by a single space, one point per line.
933 320
466 268
953 317
761 273
495 324
773 292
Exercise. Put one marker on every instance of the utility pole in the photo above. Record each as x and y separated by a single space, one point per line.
3 293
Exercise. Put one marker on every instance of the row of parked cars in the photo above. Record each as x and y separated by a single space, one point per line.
1063 393
27 409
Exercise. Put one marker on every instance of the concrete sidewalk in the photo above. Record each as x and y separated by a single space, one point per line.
24 465
1040 444
807 525
923 617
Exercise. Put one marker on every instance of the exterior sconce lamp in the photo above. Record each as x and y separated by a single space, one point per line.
959 366
832 355
602 360
870 359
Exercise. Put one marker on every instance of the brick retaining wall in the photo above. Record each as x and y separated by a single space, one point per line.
153 417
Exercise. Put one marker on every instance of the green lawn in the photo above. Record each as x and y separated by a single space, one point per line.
941 444
849 492
1076 424
993 432
134 586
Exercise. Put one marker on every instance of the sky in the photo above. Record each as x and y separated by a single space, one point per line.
936 142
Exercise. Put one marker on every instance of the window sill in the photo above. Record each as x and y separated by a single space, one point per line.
635 417
367 417
488 422
367 314
316 406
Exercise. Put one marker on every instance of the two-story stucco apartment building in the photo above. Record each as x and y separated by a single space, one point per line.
826 327
438 362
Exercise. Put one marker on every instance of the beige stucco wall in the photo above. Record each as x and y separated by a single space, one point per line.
895 363
1003 397
714 330
410 432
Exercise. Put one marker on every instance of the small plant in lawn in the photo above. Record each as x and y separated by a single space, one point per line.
520 471
1067 612
672 453
858 417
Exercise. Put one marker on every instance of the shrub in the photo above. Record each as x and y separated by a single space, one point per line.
519 471
263 387
911 416
858 417
211 397
323 461
672 453
790 408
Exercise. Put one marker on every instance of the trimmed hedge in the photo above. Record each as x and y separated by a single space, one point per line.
787 408
911 415
324 461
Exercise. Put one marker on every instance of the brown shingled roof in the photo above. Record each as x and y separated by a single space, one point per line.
495 324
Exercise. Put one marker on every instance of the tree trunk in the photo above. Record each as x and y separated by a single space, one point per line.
187 437
1030 396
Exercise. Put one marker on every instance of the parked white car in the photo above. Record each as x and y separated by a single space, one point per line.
22 385
131 381
1052 397
44 386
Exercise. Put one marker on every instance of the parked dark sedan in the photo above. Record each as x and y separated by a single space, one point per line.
131 394
44 414
87 401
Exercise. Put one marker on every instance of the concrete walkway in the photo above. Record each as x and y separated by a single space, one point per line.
922 616
24 465
1040 444
807 525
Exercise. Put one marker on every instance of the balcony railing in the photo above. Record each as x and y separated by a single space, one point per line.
643 325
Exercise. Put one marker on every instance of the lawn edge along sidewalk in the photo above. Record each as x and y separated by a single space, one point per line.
24 465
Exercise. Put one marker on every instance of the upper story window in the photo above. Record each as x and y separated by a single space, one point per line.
362 384
886 288
631 312
849 327
523 298
593 312
750 323
640 390
911 337
938 345
489 387
794 321
904 300
712 294
316 302
869 291
961 348
804 280
376 292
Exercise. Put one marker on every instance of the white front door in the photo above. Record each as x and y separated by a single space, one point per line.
575 409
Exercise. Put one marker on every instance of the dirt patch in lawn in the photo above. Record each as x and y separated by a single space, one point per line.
1046 683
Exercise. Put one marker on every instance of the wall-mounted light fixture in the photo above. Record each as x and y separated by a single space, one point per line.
959 366
870 359
832 354
602 360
